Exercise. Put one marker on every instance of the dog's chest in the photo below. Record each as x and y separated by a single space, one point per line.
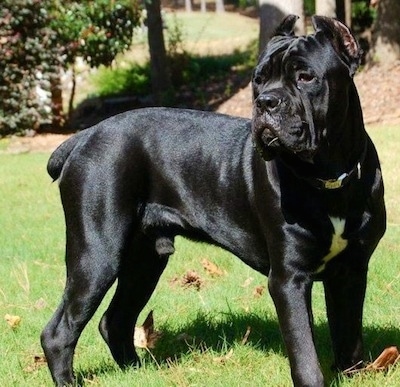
338 243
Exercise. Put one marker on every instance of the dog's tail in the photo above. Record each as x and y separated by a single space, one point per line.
60 155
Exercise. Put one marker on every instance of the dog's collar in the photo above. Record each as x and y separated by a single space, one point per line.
343 179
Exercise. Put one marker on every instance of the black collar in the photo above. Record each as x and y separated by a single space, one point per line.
343 179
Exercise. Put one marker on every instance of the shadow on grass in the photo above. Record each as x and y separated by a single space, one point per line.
209 332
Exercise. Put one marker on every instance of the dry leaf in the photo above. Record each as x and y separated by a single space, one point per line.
38 361
145 336
211 268
13 321
40 304
224 359
259 291
388 357
246 336
247 282
173 281
192 279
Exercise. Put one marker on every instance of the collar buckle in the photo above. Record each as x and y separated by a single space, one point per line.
334 183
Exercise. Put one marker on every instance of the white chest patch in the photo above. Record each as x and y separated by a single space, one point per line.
338 244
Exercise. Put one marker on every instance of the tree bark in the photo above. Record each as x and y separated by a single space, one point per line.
386 34
347 12
325 8
160 74
271 14
57 111
219 6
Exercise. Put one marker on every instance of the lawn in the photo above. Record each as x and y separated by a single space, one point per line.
204 330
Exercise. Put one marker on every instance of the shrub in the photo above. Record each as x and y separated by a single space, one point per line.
38 38
27 49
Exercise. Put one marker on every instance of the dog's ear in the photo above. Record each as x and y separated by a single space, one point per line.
342 40
286 28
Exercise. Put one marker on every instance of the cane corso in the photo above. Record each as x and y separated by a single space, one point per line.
296 193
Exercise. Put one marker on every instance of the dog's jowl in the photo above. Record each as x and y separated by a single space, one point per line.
296 193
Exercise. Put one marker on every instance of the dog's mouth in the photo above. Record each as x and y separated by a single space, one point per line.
270 141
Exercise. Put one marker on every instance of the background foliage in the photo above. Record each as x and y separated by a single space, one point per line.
38 38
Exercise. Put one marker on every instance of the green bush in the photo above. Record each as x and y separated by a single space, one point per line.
133 80
38 38
27 47
362 15
186 69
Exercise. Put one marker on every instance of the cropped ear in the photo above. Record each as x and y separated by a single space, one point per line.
343 41
286 28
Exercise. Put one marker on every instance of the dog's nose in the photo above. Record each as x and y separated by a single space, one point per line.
268 102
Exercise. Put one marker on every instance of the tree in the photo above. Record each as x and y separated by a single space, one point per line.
96 32
386 34
325 7
160 74
271 14
188 5
219 6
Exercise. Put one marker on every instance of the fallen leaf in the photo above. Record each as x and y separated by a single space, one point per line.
38 361
388 357
247 282
173 281
246 336
259 291
145 336
224 359
211 268
192 279
13 321
40 304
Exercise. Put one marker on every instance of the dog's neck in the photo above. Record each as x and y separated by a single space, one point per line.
341 156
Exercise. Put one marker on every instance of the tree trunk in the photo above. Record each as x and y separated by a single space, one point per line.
341 10
188 5
347 12
57 112
160 75
386 34
325 7
219 6
271 14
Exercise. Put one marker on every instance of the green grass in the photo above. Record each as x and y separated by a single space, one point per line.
215 318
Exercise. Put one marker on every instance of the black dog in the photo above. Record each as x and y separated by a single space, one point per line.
310 209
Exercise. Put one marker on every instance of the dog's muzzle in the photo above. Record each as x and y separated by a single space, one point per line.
279 125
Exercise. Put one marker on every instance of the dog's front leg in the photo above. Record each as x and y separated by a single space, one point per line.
344 294
291 293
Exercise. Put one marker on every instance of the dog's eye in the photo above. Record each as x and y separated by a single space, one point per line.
305 78
257 80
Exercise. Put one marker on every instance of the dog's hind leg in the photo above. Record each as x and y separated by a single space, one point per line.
141 268
92 261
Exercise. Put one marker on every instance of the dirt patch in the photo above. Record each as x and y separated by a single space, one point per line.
38 143
378 87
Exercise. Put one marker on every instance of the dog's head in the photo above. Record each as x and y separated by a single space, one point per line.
299 85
